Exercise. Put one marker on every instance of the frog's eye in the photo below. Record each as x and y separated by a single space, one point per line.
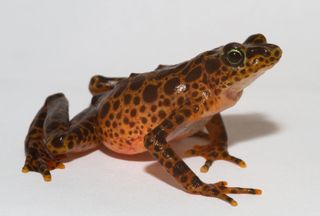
235 57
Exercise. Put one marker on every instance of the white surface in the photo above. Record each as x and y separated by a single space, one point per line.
51 46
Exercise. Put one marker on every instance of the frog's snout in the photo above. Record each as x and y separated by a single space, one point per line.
275 52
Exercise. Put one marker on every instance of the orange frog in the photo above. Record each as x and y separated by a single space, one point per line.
146 111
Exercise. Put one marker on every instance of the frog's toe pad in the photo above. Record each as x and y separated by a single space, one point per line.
41 166
213 153
220 191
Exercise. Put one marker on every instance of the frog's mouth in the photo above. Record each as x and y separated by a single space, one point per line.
234 95
245 82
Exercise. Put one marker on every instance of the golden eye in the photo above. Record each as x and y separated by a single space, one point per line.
235 57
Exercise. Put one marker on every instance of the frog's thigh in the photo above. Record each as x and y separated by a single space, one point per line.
155 142
217 149
57 136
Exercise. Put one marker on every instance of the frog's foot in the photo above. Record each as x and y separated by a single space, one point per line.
212 153
41 163
220 191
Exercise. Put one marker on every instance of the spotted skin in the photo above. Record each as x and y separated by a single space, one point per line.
146 111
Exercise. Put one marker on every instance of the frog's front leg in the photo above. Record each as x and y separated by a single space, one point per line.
52 137
156 143
217 149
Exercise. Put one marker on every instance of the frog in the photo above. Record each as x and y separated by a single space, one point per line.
146 112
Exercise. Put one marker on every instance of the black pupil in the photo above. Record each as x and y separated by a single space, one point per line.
235 57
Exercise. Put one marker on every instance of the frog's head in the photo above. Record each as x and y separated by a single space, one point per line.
235 65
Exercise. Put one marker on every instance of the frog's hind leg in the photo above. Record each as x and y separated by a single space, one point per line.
51 136
218 148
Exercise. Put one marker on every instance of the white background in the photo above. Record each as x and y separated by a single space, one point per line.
53 46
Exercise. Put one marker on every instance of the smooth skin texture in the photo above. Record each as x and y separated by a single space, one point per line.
146 111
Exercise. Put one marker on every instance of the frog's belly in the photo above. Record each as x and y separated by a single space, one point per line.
135 145
126 145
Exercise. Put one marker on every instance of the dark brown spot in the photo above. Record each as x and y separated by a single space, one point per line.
150 93
133 113
127 99
57 142
154 119
168 153
142 108
180 101
111 116
144 120
198 60
186 112
196 182
136 100
180 168
184 178
212 65
78 133
161 114
119 114
194 74
257 51
170 86
195 85
70 145
105 109
107 123
215 191
166 102
137 83
126 120
194 94
179 119
116 105
167 124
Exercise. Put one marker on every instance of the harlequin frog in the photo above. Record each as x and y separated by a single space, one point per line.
145 112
